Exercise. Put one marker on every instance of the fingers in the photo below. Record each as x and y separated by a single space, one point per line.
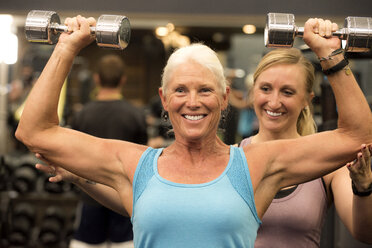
312 24
352 166
321 27
55 179
334 27
72 24
79 23
363 159
51 171
46 168
327 28
91 21
84 24
41 157
324 28
366 154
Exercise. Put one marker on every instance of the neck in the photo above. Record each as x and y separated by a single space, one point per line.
197 148
105 94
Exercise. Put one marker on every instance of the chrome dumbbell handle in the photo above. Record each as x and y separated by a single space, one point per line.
58 28
299 32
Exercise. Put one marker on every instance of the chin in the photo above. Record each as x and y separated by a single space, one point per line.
275 128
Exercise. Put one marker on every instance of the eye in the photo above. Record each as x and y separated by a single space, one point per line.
180 90
205 90
265 88
288 92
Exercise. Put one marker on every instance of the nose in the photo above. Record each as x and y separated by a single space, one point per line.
274 101
193 100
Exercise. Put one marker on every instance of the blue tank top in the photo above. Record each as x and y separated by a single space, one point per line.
219 213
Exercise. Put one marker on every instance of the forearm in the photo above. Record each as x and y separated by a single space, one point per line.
103 194
40 112
354 114
362 218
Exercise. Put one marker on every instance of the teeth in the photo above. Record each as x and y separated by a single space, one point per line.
194 117
273 113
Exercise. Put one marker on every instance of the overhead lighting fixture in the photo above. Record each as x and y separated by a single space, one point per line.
161 31
170 27
249 29
8 41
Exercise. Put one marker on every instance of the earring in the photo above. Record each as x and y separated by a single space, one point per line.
165 116
223 117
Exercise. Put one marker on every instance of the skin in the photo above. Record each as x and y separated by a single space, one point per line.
194 103
279 96
278 101
273 165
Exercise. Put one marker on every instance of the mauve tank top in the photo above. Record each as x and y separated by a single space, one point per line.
294 220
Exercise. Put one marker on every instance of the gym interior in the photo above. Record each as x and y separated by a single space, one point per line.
36 213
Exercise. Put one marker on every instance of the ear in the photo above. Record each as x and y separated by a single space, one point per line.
311 96
123 81
163 98
226 98
96 79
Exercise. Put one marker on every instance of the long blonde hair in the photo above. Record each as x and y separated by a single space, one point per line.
305 122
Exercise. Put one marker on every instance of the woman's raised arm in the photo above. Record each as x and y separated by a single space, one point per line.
39 125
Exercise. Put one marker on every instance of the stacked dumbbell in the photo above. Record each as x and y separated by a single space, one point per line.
25 196
111 31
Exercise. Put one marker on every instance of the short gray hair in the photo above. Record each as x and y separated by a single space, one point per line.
200 54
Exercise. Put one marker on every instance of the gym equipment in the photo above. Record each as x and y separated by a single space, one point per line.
111 31
22 221
56 188
52 224
5 173
281 30
24 178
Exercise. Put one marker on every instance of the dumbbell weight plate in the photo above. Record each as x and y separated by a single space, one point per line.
359 34
280 30
37 26
113 31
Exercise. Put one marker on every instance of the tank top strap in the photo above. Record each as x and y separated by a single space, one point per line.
144 171
240 179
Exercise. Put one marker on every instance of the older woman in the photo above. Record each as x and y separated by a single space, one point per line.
198 192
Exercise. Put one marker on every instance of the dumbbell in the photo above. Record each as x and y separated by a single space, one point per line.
281 30
111 31
52 224
22 222
24 178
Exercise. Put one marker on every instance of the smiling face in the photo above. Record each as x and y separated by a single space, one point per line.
279 96
194 102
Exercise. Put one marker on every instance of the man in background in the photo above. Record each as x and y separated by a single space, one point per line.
108 116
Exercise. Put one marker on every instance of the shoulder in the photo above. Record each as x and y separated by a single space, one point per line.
245 142
131 108
130 155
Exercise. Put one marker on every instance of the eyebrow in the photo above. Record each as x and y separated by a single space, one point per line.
283 86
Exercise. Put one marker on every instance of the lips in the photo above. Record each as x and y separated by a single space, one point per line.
194 117
273 114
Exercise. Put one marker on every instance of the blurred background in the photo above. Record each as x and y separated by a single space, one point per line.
36 213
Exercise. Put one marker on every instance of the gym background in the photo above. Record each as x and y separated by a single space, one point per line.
36 213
